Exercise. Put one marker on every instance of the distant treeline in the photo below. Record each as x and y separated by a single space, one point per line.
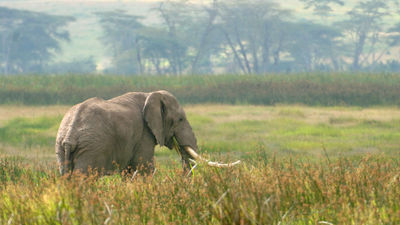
309 89
225 36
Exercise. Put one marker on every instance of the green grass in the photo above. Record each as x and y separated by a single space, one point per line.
310 89
241 129
30 132
297 129
301 165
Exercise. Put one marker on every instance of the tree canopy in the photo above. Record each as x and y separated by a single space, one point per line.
221 36
252 37
29 39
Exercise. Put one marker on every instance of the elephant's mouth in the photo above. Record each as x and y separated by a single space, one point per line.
188 152
170 143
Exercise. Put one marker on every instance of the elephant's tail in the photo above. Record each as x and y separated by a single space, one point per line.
69 142
66 164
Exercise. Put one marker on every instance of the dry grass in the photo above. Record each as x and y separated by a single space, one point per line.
363 191
286 176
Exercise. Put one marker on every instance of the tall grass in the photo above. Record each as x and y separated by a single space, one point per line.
291 191
310 89
301 165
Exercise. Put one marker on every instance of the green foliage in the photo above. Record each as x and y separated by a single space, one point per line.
29 40
310 89
121 37
253 37
321 8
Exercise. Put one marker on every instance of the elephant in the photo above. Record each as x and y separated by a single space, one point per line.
122 132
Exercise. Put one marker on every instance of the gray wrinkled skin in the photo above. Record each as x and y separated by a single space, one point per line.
121 133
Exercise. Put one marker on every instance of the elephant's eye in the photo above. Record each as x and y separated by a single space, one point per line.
180 119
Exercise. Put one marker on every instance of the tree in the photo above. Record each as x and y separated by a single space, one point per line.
160 50
122 37
321 7
246 36
314 46
29 39
364 26
249 29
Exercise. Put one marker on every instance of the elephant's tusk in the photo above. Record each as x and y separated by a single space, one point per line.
196 156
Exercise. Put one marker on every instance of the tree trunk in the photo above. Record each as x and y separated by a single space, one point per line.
255 60
156 64
212 15
228 39
138 56
277 53
265 53
358 50
6 57
243 51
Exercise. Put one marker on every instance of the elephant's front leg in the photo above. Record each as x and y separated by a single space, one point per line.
143 159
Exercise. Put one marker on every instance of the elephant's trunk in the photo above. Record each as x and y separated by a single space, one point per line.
196 156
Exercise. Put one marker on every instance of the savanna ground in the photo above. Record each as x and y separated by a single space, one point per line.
301 165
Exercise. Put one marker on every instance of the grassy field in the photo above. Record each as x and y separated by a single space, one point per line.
301 165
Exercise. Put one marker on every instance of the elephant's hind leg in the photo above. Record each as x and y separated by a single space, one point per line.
88 162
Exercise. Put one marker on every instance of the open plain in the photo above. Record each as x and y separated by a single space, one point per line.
301 165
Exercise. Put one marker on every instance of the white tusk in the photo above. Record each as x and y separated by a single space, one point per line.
221 165
196 156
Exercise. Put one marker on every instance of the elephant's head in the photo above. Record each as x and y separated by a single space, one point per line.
167 120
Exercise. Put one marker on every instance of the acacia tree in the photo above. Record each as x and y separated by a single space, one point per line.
314 47
394 38
250 29
252 36
122 37
321 7
29 39
175 16
365 26
205 36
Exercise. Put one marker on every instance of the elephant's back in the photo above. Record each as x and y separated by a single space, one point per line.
74 121
66 124
110 129
101 119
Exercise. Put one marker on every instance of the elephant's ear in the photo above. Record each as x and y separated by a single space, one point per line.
153 115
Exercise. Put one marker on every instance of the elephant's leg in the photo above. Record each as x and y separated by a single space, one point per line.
91 161
143 159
